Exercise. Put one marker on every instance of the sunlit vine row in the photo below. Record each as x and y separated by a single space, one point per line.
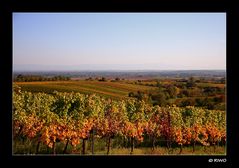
72 118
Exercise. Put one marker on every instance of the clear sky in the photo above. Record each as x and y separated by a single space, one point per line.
125 41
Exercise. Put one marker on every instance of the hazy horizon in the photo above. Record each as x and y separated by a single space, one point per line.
119 41
97 68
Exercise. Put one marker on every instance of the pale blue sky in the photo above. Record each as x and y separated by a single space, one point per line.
119 41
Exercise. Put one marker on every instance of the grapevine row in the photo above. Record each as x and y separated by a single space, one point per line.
73 118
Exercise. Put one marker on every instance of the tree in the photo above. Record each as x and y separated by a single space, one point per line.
173 91
187 102
184 92
140 95
158 84
103 79
223 80
194 92
161 99
131 94
191 82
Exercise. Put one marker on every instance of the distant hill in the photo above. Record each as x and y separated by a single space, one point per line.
129 73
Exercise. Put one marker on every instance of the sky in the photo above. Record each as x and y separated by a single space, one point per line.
119 41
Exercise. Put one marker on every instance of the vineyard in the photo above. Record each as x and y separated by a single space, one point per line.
64 123
115 90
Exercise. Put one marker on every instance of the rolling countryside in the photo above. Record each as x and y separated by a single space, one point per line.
116 90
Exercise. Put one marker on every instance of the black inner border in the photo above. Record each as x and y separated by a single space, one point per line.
232 12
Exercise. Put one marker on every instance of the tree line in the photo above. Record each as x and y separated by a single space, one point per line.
184 93
32 78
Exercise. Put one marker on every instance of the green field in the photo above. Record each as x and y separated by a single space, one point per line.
116 90
211 85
